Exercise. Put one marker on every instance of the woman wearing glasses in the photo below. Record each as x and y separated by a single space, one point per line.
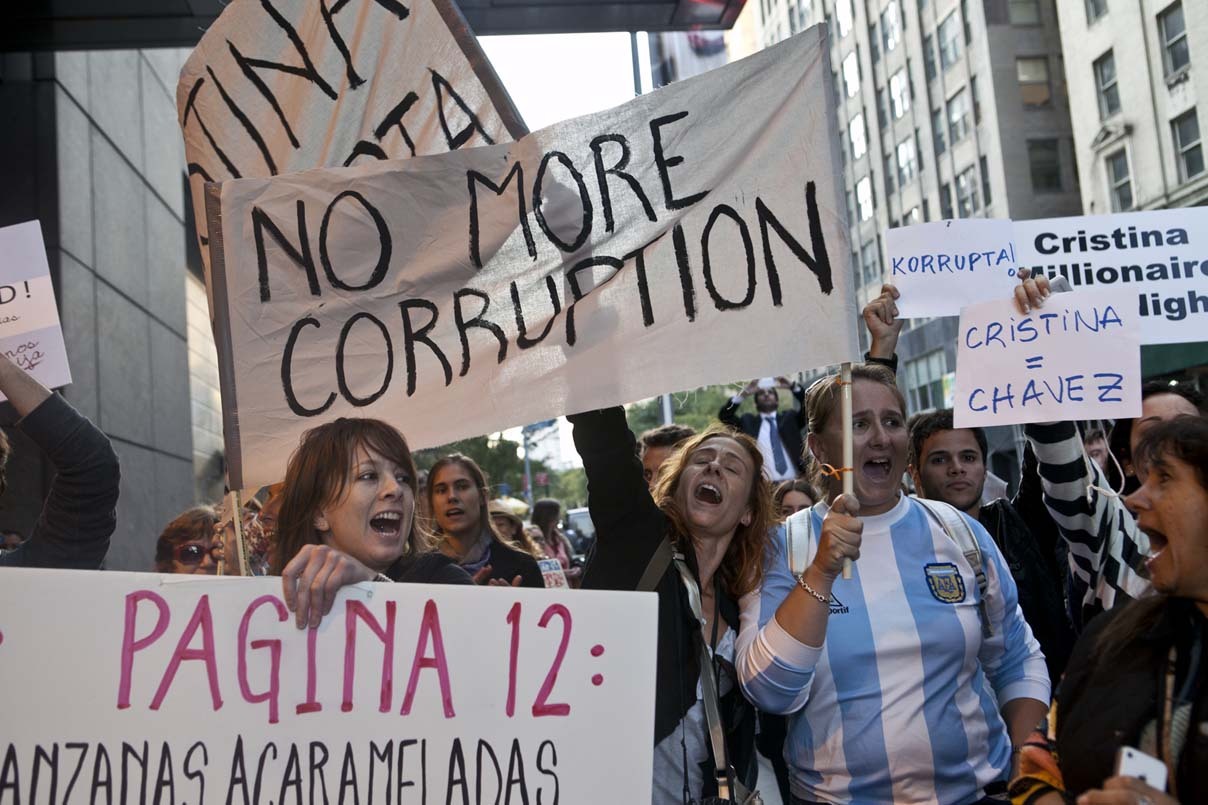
188 544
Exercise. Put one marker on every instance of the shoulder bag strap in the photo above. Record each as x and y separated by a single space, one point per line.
656 567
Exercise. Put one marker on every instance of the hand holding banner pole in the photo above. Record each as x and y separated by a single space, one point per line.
849 481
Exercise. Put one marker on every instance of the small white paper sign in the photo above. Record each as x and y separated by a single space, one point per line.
940 267
30 334
1078 357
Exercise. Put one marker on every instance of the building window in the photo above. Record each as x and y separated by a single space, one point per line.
937 130
843 16
958 117
1044 160
858 135
864 198
882 111
1119 181
908 165
966 192
1105 84
1189 151
950 40
890 170
984 164
899 93
1023 12
851 74
912 216
925 382
1034 87
891 26
928 58
870 272
1095 9
1175 52
874 52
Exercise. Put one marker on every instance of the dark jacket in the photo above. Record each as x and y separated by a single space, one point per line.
428 568
508 563
1105 701
790 424
79 514
629 527
1038 579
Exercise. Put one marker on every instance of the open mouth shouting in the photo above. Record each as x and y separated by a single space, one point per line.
1157 545
387 523
878 470
708 493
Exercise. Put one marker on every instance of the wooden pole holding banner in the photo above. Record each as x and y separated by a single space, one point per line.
849 480
240 565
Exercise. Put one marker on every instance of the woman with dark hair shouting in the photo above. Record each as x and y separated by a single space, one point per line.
348 515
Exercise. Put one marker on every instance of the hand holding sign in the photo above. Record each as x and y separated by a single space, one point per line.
30 335
1079 359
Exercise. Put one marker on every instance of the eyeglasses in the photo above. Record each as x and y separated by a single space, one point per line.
191 553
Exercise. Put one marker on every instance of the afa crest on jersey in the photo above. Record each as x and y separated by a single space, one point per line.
944 579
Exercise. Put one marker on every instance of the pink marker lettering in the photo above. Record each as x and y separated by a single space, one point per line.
355 610
202 619
272 695
429 629
131 645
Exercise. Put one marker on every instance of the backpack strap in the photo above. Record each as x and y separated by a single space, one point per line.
799 540
959 531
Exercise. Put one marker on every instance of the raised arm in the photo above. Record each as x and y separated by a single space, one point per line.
629 527
78 516
729 412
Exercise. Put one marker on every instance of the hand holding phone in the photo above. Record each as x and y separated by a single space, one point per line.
1132 762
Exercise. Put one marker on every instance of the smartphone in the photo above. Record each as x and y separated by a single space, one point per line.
1135 763
767 382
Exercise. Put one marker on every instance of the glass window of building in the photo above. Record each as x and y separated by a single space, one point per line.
1175 52
1187 147
874 52
925 382
908 166
1095 9
1044 161
938 127
890 170
966 192
843 16
864 198
1119 181
858 135
899 93
950 40
1105 85
958 117
891 26
912 217
882 110
870 272
851 74
946 201
928 58
1033 75
984 164
1023 12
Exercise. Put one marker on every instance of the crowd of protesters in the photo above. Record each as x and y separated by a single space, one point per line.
983 648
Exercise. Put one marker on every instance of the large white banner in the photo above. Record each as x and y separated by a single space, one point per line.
691 236
140 688
277 86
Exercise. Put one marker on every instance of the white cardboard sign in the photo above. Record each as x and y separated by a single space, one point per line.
1159 256
664 244
940 267
149 688
276 86
30 334
1077 357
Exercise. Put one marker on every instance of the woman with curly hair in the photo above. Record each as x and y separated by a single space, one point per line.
711 503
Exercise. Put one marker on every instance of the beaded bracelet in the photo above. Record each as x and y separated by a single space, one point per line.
821 598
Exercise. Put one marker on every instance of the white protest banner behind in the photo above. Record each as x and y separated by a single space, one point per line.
940 267
691 236
30 333
1160 256
1077 357
406 693
276 86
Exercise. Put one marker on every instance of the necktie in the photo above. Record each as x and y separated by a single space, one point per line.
778 456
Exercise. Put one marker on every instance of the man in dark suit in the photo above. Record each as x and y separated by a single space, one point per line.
778 433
